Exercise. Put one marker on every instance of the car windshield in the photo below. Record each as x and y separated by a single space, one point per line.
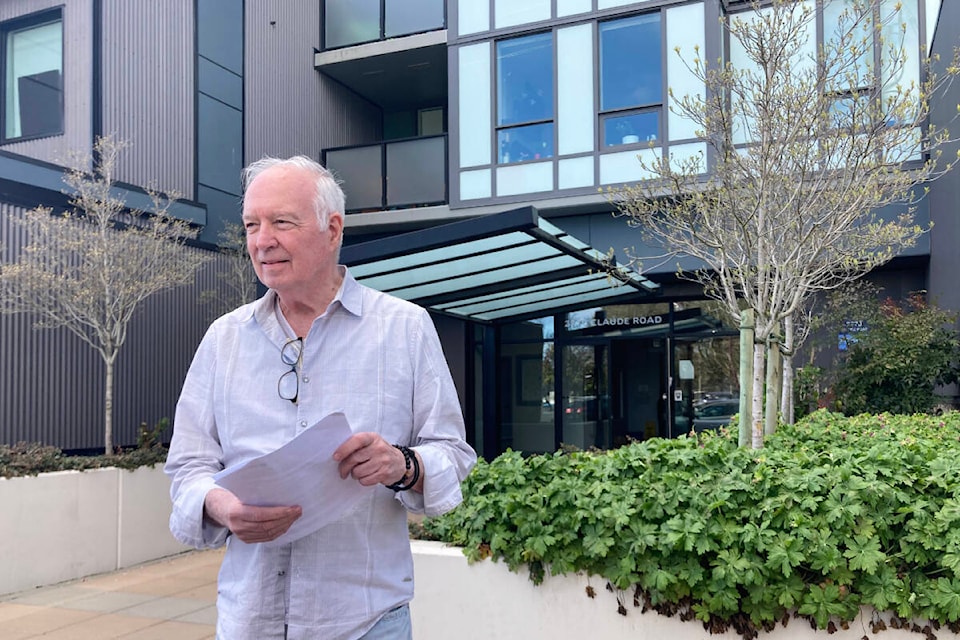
719 409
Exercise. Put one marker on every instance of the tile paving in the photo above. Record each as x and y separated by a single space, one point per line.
169 598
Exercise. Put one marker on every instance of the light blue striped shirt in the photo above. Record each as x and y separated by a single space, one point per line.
374 357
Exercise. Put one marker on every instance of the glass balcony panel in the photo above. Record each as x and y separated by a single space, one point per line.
359 170
348 22
415 172
412 16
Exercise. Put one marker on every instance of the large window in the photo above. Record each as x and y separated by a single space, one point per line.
631 80
525 98
32 76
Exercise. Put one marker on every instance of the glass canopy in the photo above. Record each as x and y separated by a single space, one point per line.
506 266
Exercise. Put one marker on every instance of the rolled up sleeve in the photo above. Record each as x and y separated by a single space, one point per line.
439 435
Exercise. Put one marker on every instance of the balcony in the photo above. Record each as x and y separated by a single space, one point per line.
348 23
392 175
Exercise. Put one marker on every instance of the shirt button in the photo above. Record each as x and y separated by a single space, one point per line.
303 424
281 573
306 378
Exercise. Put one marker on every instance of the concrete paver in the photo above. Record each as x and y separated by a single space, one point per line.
170 598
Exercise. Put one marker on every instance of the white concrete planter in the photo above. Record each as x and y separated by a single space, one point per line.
486 600
70 524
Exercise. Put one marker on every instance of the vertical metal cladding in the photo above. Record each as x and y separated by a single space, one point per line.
51 382
147 54
77 80
290 107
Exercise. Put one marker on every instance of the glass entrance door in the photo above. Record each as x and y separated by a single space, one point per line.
638 389
586 396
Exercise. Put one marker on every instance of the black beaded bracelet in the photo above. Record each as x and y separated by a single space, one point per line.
410 458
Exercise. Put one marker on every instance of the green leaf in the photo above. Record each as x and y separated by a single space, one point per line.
864 554
946 596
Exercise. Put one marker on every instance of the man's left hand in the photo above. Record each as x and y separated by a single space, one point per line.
370 459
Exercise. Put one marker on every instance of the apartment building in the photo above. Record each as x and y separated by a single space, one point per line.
474 139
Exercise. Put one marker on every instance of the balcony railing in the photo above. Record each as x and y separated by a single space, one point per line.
392 175
351 22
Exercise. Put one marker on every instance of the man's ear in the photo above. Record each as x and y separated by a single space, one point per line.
335 227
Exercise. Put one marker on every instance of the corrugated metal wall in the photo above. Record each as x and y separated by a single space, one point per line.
77 79
51 383
148 90
289 107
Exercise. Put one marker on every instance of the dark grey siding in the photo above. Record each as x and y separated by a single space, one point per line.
51 383
945 192
147 89
290 108
77 80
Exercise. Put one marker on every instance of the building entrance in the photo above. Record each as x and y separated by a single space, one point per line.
602 377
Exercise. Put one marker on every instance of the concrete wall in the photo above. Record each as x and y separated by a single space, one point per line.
486 600
70 524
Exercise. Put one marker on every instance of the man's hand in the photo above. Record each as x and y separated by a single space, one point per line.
370 460
250 524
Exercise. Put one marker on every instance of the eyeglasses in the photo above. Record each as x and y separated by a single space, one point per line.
288 386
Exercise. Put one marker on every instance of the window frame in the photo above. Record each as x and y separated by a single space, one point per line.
499 128
603 115
30 21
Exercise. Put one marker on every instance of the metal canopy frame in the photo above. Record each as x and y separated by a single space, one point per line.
507 266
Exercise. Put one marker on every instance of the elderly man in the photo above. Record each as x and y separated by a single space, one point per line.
318 342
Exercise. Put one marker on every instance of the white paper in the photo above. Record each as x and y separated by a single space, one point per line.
301 472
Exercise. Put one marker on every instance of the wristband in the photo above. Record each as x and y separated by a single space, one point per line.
410 458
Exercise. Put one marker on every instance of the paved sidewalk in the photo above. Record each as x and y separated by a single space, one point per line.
170 598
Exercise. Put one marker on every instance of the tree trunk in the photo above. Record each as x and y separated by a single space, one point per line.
786 397
774 383
756 412
108 406
746 377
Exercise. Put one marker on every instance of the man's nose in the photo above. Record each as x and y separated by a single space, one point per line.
265 237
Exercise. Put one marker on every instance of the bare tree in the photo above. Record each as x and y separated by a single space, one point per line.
235 275
89 269
805 146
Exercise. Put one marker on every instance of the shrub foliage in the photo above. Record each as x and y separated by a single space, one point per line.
897 364
832 514
32 458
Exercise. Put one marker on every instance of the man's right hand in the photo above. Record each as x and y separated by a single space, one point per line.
250 524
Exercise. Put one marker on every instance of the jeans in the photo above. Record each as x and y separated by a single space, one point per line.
394 625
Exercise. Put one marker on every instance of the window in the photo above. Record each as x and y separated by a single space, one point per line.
32 57
631 80
525 98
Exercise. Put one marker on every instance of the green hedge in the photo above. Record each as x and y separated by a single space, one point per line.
832 514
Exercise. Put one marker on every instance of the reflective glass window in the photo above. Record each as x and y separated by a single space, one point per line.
631 68
525 98
632 128
631 80
525 79
33 77
532 142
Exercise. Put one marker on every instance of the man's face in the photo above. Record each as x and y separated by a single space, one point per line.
290 252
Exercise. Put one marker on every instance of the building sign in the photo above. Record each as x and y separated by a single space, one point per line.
573 323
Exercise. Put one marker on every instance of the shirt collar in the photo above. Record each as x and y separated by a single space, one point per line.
349 296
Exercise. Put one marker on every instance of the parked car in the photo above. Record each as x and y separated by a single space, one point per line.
714 414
